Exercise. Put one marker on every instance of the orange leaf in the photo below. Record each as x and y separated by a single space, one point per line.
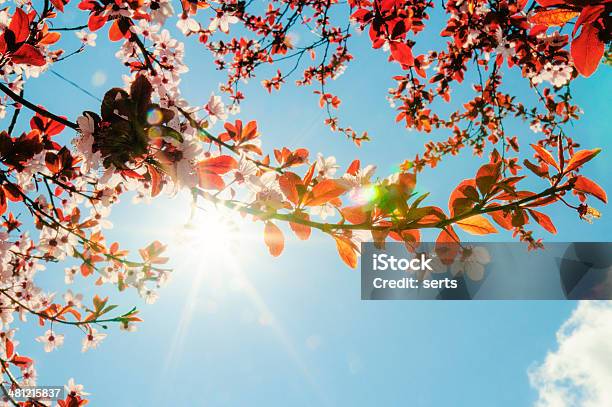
274 239
543 220
155 181
557 16
585 185
346 250
580 158
288 182
587 50
545 155
50 38
487 176
354 214
502 219
209 180
353 168
308 176
301 231
447 245
324 192
477 225
219 165
463 197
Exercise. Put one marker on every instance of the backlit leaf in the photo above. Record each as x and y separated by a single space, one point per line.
581 157
477 225
587 50
557 16
585 185
274 239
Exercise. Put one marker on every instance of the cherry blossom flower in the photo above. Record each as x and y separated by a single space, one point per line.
28 376
246 168
222 22
188 25
75 390
51 340
87 38
73 299
472 263
216 109
149 295
504 48
361 177
326 167
266 190
92 340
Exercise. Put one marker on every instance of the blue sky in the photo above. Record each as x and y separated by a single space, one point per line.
243 328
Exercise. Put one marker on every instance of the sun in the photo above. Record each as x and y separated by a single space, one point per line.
210 231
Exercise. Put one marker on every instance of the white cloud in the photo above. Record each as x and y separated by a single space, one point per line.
579 372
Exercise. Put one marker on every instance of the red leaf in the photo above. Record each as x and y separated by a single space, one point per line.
3 204
47 126
13 192
96 22
20 26
274 239
581 157
587 50
549 3
545 155
402 53
588 15
21 361
59 4
28 54
131 174
543 220
114 33
9 348
585 185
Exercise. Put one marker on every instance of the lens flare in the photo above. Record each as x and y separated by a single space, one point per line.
154 132
154 117
364 195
